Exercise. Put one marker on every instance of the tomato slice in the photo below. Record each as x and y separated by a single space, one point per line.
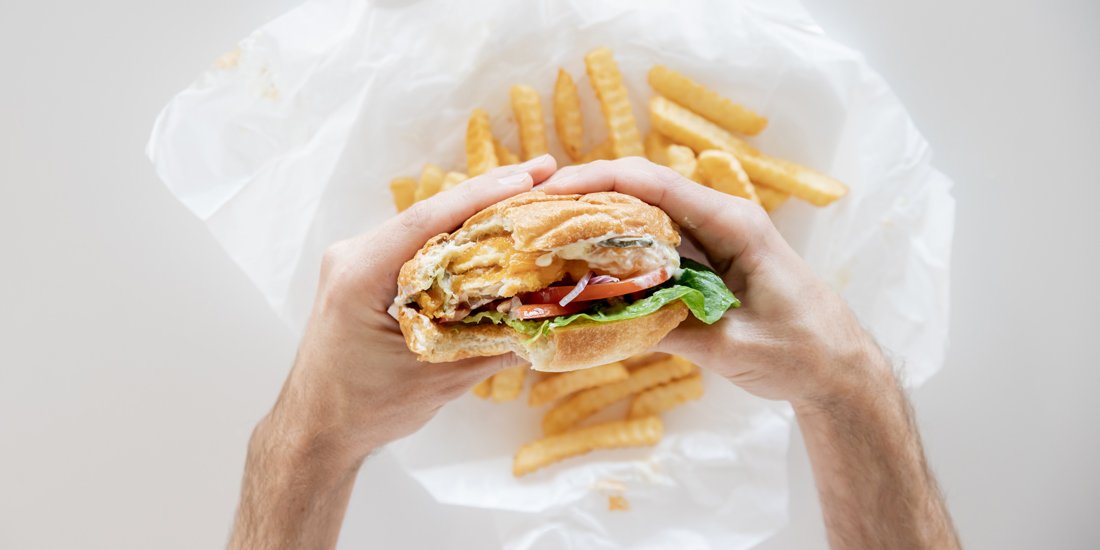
539 311
554 294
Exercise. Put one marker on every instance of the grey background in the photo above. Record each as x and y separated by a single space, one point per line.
135 358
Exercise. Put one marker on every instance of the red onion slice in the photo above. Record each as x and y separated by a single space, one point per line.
602 279
576 290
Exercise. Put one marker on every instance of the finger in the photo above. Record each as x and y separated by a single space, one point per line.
697 342
445 211
465 374
722 224
488 366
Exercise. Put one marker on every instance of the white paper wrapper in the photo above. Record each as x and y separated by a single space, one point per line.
287 144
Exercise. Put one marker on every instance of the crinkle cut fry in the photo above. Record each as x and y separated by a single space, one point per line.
609 435
583 404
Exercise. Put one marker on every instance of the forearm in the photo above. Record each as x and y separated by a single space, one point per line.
295 490
875 487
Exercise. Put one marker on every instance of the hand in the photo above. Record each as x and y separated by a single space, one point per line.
793 338
355 385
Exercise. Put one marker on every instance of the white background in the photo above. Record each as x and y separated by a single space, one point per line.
135 358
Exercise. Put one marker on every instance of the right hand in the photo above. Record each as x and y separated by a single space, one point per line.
793 338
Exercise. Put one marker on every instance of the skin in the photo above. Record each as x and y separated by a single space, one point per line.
355 387
796 340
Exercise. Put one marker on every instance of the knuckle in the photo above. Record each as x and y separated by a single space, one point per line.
667 175
416 216
453 386
756 215
639 163
345 265
495 173
467 193
600 165
332 258
336 273
507 361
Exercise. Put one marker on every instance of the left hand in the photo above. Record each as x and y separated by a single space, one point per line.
355 386
794 338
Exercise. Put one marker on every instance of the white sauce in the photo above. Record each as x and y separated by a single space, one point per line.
545 260
621 261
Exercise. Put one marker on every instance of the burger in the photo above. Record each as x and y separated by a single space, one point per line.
564 281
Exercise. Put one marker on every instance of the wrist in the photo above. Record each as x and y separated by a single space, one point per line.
318 414
294 491
299 447
857 375
309 423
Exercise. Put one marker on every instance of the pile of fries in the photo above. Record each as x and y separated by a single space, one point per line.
698 133
655 383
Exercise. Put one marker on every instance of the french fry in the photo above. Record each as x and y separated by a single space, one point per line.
431 180
480 156
617 503
567 115
484 388
505 156
706 102
560 385
532 129
452 179
404 192
797 180
656 147
666 396
583 404
682 160
684 126
642 359
722 171
609 435
600 152
770 198
508 383
606 80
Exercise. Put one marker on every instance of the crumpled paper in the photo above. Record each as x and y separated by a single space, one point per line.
285 145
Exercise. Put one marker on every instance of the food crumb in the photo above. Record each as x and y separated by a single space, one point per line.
229 60
617 503
271 92
609 486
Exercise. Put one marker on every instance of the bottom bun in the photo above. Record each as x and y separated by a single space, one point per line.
576 346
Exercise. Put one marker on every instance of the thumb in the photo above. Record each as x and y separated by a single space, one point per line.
695 341
479 368
447 210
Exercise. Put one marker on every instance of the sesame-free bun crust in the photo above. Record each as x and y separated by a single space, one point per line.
494 255
576 346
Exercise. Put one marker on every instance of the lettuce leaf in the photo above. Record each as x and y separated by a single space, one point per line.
701 290
530 328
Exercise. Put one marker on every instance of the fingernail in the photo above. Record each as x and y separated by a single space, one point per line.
541 159
521 178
